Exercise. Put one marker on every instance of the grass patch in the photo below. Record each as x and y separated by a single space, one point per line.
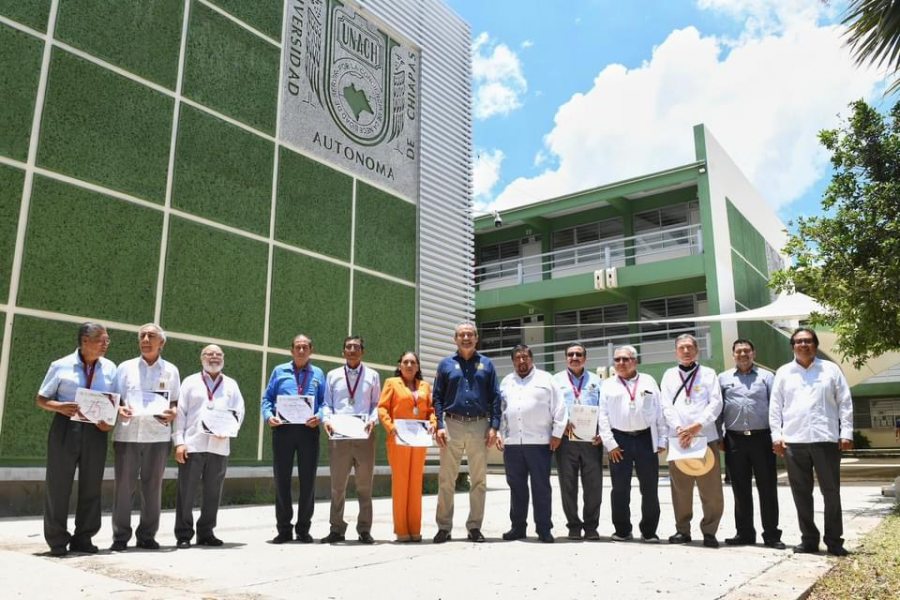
871 572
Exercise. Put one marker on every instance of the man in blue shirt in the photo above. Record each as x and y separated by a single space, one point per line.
466 398
295 378
73 444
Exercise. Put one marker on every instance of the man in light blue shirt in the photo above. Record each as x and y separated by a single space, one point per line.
580 451
301 440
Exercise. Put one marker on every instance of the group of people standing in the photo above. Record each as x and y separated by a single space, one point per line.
803 412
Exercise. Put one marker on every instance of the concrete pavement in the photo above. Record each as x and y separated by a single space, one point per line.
250 567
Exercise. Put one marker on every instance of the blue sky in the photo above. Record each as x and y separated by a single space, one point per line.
576 94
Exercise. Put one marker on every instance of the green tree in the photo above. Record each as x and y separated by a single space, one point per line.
873 34
849 257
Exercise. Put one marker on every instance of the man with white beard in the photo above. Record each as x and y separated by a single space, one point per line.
201 455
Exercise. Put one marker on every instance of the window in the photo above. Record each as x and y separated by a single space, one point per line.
497 260
589 325
495 335
668 308
587 243
666 228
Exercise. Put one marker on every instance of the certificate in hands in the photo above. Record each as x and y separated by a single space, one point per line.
294 410
697 449
349 427
143 402
94 407
584 421
220 422
413 432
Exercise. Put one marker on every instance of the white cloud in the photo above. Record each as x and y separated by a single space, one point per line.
526 44
486 172
764 98
498 79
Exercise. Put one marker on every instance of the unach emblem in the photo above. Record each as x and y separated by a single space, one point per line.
356 72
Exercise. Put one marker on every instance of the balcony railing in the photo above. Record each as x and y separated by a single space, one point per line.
653 347
644 248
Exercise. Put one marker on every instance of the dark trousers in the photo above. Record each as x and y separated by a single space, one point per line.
207 469
72 445
825 459
638 455
751 457
524 462
573 458
147 460
302 442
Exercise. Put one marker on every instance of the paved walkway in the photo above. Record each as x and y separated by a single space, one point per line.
250 567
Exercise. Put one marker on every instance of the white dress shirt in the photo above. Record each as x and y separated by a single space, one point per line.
365 397
193 400
533 409
136 375
701 404
810 405
617 411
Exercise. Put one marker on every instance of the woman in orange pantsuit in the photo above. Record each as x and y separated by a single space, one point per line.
406 396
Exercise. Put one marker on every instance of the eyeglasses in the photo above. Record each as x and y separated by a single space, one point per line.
213 354
803 342
575 354
302 347
352 347
622 359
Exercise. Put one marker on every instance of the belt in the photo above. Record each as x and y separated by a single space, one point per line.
750 432
464 418
632 433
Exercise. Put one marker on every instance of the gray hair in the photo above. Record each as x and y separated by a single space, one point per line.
159 331
630 350
687 336
89 330
467 324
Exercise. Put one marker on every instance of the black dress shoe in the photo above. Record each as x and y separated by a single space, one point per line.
366 538
150 544
512 535
679 538
805 549
304 538
574 534
441 536
210 541
333 538
591 536
837 551
118 547
59 551
777 544
182 544
710 541
739 541
546 538
282 538
83 547
475 535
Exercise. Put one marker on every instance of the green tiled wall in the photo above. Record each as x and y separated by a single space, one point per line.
314 206
20 67
231 70
10 196
385 233
89 253
215 283
68 245
32 13
746 239
105 129
222 172
140 36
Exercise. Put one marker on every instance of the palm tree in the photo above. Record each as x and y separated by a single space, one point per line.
873 34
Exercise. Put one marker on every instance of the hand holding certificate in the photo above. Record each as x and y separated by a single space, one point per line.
148 402
584 423
412 432
96 407
219 422
697 448
294 410
349 427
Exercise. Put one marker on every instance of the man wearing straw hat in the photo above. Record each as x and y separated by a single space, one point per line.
692 400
